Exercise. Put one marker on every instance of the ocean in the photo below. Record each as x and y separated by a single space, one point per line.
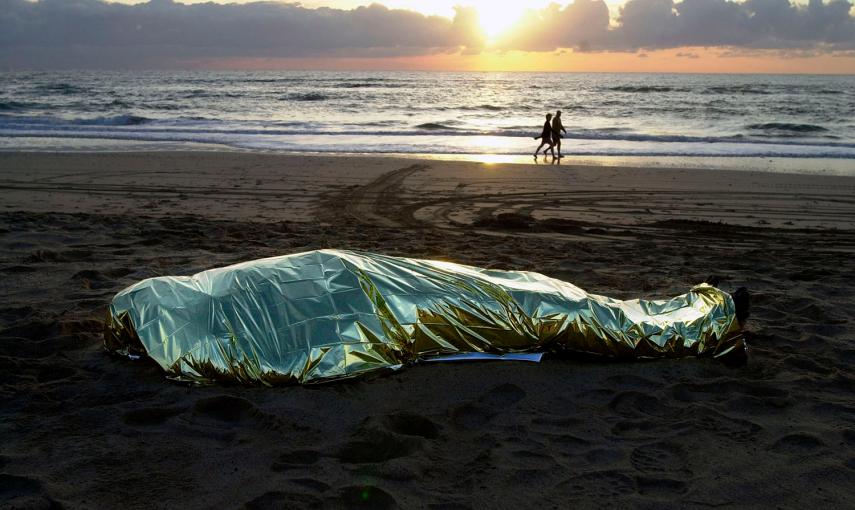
434 113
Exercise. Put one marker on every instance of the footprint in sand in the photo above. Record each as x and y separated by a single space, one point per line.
295 460
602 456
694 419
597 485
53 373
366 496
800 443
93 280
223 417
449 506
31 337
724 426
740 397
310 483
660 487
22 492
275 500
566 443
664 467
411 425
18 269
660 457
150 416
474 415
631 381
810 364
376 446
226 408
634 403
386 438
528 457
557 424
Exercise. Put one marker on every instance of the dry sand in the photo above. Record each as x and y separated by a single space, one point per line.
81 429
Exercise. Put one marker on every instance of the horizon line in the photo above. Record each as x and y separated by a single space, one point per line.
414 70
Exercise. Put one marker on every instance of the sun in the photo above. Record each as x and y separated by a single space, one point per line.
496 18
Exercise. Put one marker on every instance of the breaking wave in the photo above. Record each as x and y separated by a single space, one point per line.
117 120
784 126
740 89
10 106
60 88
435 126
307 96
642 89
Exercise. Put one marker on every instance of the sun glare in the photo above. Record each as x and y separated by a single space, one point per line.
496 18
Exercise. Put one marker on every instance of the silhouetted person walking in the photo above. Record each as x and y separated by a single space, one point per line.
546 137
557 129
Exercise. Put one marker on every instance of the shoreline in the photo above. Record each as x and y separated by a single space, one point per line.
781 165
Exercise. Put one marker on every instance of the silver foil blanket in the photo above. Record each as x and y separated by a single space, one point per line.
329 314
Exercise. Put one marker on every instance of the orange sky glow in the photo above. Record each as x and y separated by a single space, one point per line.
701 60
495 18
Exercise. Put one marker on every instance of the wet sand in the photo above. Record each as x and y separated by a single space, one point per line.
82 429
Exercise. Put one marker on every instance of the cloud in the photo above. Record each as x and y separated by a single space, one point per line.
758 24
663 24
466 29
164 33
93 33
579 25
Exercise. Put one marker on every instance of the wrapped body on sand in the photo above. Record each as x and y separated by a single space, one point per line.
329 314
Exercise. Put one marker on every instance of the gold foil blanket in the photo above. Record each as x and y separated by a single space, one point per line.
330 314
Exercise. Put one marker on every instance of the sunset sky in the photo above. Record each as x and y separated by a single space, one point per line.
775 36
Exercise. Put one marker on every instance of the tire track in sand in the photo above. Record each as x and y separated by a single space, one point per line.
600 214
380 202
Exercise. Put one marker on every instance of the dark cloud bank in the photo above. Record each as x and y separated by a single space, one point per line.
92 33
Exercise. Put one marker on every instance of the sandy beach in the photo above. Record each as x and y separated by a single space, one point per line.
82 429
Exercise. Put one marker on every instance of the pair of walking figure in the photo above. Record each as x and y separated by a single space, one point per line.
551 135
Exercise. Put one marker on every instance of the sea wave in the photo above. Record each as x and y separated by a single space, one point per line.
306 96
642 89
740 89
489 108
389 111
355 85
12 122
172 106
209 94
369 85
60 88
116 120
10 106
198 128
118 103
358 145
785 126
435 126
